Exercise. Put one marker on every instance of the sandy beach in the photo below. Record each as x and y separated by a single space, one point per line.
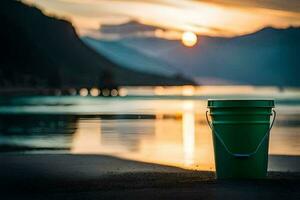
65 176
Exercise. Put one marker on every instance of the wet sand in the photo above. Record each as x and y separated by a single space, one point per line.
65 176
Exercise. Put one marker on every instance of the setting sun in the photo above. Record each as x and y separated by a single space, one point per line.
189 39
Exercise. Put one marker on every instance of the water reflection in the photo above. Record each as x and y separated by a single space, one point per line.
188 132
37 131
165 131
87 138
173 139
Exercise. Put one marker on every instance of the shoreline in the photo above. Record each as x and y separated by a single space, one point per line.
67 176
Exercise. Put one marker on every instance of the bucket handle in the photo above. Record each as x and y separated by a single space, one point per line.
240 155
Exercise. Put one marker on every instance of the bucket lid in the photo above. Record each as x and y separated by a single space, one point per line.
221 103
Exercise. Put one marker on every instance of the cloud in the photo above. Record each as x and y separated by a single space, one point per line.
207 17
283 5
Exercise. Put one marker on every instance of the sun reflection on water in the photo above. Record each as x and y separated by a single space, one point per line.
87 138
188 132
170 139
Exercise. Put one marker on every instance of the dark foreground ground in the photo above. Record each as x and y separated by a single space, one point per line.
63 176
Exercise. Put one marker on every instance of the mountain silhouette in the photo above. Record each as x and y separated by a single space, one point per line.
130 58
41 51
266 57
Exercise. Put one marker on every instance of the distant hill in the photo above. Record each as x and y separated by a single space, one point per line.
267 57
130 58
41 51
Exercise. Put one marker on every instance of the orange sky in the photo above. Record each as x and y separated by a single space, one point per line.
207 17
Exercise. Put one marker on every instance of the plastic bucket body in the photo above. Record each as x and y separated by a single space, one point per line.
241 137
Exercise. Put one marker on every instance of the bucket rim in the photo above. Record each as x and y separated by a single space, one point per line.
231 103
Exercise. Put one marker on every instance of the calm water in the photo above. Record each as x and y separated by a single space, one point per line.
160 125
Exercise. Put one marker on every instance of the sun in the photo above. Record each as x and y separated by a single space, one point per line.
189 39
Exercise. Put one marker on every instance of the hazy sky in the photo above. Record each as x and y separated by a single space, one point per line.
209 17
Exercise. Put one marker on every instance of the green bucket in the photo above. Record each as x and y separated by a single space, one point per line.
241 136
